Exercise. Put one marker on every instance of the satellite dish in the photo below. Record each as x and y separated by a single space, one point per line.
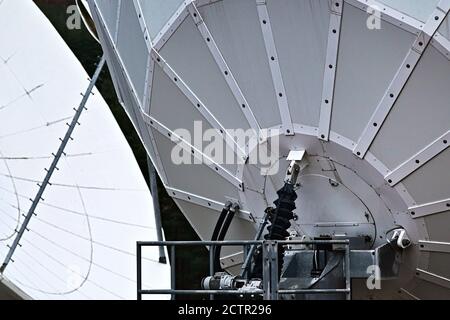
81 244
361 86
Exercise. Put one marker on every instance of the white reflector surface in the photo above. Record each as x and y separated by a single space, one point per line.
82 242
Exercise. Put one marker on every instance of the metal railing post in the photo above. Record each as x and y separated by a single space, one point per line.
274 271
139 270
347 272
211 265
158 224
173 270
266 270
249 255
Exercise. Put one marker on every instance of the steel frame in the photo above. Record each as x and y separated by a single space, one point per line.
390 15
177 19
270 279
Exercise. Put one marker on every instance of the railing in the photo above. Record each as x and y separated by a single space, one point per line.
270 279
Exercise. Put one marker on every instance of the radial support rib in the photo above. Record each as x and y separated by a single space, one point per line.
401 79
277 78
224 69
329 77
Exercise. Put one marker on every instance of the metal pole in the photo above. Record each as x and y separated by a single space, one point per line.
54 164
139 270
274 271
211 266
347 272
173 270
266 270
156 207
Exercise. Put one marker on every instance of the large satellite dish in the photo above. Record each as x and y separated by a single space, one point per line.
81 244
367 99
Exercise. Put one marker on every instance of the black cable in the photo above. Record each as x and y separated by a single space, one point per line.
218 228
220 221
222 234
280 220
